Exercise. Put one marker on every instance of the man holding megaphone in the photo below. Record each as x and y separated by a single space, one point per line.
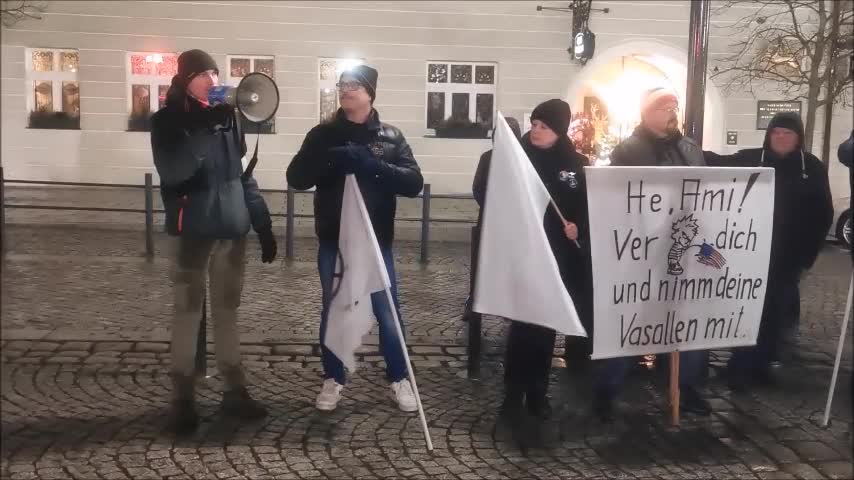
210 204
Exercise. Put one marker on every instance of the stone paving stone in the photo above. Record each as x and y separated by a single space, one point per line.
804 471
78 410
837 470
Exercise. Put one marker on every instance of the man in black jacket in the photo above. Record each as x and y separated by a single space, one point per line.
803 213
210 205
356 142
657 141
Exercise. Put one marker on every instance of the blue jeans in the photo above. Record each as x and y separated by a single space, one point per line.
612 372
327 257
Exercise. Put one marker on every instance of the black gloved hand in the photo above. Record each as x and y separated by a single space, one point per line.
354 158
362 160
220 115
268 245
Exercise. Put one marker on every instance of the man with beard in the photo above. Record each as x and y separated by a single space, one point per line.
656 142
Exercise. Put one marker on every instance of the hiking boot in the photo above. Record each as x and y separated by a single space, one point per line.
183 419
239 404
690 401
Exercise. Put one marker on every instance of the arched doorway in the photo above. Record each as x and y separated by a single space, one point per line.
606 94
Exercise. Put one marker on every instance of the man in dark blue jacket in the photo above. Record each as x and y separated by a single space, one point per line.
356 142
210 205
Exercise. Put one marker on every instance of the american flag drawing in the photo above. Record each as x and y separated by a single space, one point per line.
711 257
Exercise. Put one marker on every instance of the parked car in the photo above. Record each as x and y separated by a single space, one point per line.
841 227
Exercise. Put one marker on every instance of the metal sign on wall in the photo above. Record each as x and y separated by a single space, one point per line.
766 109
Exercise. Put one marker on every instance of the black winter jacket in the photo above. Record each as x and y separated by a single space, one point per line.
803 206
643 149
314 166
197 152
561 170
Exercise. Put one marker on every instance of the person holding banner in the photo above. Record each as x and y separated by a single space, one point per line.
210 204
657 141
803 213
354 141
561 169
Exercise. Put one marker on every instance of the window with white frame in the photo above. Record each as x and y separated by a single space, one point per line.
241 65
460 98
149 75
53 91
329 70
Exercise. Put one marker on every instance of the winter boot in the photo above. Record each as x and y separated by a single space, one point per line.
184 419
237 403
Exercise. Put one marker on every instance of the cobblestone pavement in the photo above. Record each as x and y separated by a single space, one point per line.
84 389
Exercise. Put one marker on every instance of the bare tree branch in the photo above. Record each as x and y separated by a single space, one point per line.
792 47
12 12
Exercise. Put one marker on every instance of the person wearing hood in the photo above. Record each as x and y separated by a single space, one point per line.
803 213
210 205
355 141
561 169
657 141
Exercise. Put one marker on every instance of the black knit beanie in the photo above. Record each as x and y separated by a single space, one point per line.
194 62
788 120
367 77
555 113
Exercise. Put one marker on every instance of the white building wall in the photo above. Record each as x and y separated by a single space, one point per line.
398 38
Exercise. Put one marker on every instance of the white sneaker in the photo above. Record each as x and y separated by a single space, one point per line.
402 392
329 395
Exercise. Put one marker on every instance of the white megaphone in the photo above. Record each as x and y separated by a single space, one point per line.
256 97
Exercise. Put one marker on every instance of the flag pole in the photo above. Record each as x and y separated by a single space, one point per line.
838 354
562 218
421 416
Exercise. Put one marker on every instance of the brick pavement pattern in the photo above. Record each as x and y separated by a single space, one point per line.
85 390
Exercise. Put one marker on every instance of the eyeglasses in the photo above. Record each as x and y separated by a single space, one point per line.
348 86
668 110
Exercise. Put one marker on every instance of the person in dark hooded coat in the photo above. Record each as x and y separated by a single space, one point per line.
803 213
561 169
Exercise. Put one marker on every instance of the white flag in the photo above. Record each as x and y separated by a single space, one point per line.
362 272
517 275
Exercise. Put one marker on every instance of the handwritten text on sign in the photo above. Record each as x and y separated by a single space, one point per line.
680 257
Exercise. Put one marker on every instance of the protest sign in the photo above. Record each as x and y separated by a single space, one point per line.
680 257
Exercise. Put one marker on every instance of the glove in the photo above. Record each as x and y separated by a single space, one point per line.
363 160
268 245
220 115
354 158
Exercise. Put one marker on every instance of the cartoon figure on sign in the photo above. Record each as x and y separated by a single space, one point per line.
684 231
